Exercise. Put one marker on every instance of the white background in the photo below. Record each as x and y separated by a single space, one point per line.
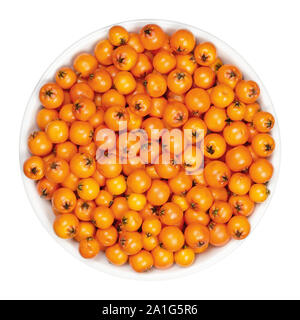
34 33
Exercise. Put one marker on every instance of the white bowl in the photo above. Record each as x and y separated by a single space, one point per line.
42 208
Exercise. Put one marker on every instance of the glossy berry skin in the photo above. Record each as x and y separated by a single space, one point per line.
151 149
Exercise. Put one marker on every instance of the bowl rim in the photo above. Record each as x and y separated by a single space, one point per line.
158 274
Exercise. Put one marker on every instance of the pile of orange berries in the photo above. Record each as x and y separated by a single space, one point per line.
151 214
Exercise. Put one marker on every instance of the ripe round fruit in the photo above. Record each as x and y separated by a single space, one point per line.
217 174
117 185
163 259
136 201
64 200
239 227
131 221
152 37
182 41
158 193
102 217
66 226
170 214
194 171
88 189
39 144
197 237
89 247
184 257
130 242
107 237
239 184
142 261
261 171
81 133
152 226
34 168
219 235
238 158
171 238
200 198
51 96
258 192
116 255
